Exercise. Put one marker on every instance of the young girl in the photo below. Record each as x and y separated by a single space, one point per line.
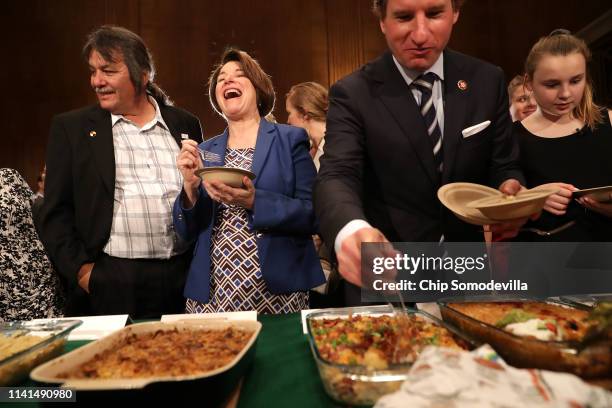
566 143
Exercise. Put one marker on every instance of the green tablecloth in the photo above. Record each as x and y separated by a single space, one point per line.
283 374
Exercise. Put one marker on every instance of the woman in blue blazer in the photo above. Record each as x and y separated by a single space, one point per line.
254 248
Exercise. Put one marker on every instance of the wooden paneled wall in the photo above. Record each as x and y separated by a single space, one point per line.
294 40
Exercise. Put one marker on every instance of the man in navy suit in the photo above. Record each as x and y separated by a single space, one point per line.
416 118
111 181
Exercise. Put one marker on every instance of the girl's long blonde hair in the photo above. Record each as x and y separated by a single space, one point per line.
562 42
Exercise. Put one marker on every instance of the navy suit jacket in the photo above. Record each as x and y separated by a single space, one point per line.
378 163
282 216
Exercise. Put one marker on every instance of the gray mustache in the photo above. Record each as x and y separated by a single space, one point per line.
102 90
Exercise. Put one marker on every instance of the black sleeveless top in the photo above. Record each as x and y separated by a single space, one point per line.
583 159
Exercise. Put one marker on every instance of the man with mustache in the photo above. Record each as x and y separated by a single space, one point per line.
111 182
418 117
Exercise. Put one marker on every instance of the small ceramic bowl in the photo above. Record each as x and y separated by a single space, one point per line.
231 176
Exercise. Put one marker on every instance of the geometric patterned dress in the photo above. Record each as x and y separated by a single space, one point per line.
236 280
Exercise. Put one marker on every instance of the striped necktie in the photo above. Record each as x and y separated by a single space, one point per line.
424 84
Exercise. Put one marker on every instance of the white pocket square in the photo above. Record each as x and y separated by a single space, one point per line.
472 130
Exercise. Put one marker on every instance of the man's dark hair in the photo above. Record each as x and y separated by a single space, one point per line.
113 41
380 7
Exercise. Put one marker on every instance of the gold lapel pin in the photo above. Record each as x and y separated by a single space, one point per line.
92 133
462 84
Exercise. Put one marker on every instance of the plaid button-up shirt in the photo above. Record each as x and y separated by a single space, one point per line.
147 182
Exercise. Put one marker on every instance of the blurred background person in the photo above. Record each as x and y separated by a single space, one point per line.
39 197
306 106
566 143
522 103
29 286
254 249
40 184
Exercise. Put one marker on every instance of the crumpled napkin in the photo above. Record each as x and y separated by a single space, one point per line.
444 377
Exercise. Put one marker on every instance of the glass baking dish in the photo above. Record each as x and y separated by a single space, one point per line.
358 384
586 300
24 345
591 362
215 384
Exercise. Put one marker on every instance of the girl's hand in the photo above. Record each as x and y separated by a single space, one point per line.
557 203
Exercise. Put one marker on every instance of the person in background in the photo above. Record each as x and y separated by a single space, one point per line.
29 286
39 197
111 181
522 103
40 184
254 249
566 142
418 117
306 106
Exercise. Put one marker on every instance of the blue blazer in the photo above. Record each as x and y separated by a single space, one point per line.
282 216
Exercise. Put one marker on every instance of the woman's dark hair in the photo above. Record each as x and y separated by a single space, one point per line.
113 43
253 71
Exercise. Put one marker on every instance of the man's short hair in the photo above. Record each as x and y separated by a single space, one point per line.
380 7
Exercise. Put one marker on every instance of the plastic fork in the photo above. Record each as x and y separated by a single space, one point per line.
209 156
